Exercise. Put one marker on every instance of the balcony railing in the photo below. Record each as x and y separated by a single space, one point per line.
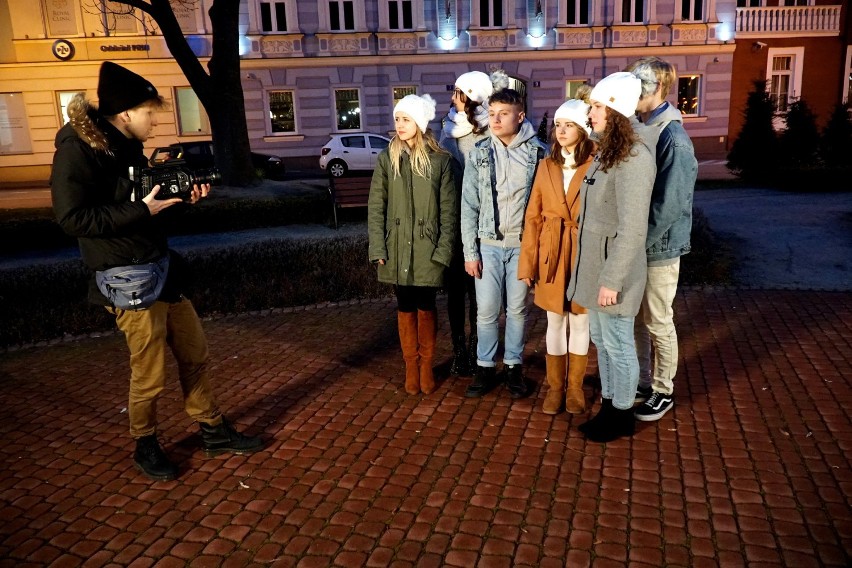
788 21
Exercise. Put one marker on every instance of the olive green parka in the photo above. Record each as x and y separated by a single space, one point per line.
412 222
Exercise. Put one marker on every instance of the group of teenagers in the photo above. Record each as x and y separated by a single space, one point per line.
594 224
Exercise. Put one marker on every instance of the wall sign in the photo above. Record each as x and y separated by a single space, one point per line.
63 49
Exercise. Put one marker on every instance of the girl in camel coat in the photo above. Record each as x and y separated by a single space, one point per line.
549 251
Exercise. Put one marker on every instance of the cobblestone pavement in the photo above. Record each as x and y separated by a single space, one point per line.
751 468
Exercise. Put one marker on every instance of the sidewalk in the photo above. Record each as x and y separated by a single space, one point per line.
751 468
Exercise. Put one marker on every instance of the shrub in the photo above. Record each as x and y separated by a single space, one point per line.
754 152
836 141
799 142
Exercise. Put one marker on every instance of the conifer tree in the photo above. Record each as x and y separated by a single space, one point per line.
836 142
543 129
799 142
755 151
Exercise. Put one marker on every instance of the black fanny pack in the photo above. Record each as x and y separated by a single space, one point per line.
133 287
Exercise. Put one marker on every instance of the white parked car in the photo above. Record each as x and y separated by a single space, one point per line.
346 152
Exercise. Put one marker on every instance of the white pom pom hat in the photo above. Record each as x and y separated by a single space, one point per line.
420 108
476 85
619 91
577 112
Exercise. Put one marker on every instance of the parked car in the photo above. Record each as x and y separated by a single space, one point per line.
350 152
199 154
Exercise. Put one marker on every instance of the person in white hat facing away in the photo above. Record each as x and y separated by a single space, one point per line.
549 251
411 223
669 230
464 126
609 276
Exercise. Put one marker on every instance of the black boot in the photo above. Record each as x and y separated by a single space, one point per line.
223 438
516 383
151 460
619 424
483 381
461 359
602 415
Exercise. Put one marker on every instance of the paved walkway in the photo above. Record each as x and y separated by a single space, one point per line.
751 468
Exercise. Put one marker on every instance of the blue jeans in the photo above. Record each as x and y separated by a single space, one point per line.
617 361
500 280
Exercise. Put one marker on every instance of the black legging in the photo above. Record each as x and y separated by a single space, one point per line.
457 283
413 298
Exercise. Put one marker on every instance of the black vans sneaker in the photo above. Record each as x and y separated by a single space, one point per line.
655 407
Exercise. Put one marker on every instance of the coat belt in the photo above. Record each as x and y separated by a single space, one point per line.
556 226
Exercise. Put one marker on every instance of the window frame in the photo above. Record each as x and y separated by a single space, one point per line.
633 5
290 13
358 11
62 108
566 11
692 16
476 14
699 86
337 128
394 99
203 118
268 107
385 9
569 84
797 59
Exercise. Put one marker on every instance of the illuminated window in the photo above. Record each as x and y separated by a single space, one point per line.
282 114
341 15
63 98
688 90
632 11
347 106
571 87
400 92
779 83
191 116
577 12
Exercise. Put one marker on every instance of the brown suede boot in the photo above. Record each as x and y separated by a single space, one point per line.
427 331
407 322
575 398
556 369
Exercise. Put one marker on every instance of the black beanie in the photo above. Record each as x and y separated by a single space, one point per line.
120 89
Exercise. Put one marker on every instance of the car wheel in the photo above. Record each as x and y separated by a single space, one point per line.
337 168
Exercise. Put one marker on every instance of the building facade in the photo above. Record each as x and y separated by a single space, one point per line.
313 68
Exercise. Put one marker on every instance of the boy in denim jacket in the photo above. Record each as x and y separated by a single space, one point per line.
495 192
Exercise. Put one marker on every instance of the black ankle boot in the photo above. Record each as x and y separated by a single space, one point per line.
603 414
151 460
484 380
619 424
223 438
461 359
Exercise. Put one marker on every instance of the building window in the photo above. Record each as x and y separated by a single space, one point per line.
847 87
784 76
400 92
692 10
191 116
571 87
796 3
347 107
341 15
273 16
14 127
400 15
632 11
282 114
577 12
779 82
688 89
62 99
748 3
491 13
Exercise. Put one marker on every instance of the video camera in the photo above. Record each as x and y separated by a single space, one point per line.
174 179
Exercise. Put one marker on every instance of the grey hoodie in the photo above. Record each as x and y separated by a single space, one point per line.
510 173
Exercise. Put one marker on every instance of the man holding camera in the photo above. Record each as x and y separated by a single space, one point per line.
92 198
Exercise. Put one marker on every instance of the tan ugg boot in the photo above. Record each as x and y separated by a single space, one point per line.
407 322
427 331
556 368
575 398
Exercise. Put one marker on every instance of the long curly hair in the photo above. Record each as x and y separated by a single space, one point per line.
617 140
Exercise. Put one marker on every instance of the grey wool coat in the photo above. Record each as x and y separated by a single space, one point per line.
411 221
613 227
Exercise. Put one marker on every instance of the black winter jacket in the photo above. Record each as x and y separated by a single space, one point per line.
91 199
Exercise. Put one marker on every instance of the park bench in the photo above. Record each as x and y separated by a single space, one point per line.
348 192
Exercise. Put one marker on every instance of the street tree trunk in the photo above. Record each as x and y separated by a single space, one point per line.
220 91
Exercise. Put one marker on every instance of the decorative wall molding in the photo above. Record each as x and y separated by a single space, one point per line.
354 43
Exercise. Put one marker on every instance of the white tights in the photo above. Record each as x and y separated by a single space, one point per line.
559 341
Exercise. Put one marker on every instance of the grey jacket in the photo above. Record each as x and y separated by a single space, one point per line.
495 191
613 227
670 214
411 221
